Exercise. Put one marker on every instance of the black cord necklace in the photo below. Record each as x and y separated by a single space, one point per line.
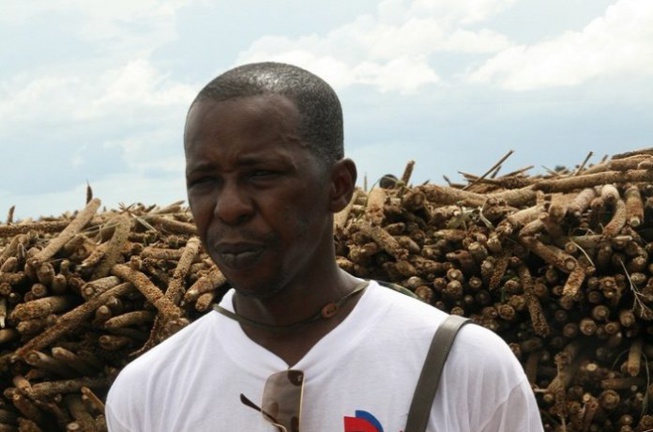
328 311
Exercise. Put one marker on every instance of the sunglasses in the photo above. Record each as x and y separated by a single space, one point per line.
282 400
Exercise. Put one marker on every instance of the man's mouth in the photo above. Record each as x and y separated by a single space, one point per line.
239 256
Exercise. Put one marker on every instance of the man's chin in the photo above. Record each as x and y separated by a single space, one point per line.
258 291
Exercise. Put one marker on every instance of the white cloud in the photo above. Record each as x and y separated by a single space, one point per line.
392 49
139 83
27 98
403 74
82 95
96 13
448 11
119 28
478 42
618 43
117 72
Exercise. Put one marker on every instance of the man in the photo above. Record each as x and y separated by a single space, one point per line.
298 344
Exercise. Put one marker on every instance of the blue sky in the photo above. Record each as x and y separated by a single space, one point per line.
94 91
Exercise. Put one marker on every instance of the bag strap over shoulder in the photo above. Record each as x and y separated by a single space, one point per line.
427 385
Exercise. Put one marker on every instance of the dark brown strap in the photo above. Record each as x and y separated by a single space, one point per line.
429 378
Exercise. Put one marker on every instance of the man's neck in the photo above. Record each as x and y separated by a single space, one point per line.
290 309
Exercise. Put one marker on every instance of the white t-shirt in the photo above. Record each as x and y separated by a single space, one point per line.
358 378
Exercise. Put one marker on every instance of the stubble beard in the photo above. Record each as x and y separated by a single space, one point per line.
269 287
263 290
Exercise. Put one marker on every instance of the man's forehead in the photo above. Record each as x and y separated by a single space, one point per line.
207 116
266 101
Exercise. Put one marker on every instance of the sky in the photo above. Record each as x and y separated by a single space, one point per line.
95 92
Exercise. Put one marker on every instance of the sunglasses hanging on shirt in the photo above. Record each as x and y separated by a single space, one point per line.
282 400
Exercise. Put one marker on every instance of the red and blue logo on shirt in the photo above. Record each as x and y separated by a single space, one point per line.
362 422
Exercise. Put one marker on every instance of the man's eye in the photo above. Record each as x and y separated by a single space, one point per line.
201 181
262 173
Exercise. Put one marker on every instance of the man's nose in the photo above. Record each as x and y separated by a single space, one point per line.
233 205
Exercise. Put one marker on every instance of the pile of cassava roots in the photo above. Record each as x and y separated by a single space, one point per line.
556 264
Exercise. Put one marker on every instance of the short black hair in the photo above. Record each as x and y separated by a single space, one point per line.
320 112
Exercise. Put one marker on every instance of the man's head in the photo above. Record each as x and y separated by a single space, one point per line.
265 173
320 114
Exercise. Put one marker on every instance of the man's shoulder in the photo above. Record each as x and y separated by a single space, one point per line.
481 354
402 301
472 342
174 346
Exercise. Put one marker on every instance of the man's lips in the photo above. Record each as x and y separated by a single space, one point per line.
239 255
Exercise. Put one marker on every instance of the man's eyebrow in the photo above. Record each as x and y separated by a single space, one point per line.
243 161
199 167
248 160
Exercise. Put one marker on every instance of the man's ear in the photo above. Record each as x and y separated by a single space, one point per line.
343 183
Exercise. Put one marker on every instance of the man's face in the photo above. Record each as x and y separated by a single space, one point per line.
258 195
